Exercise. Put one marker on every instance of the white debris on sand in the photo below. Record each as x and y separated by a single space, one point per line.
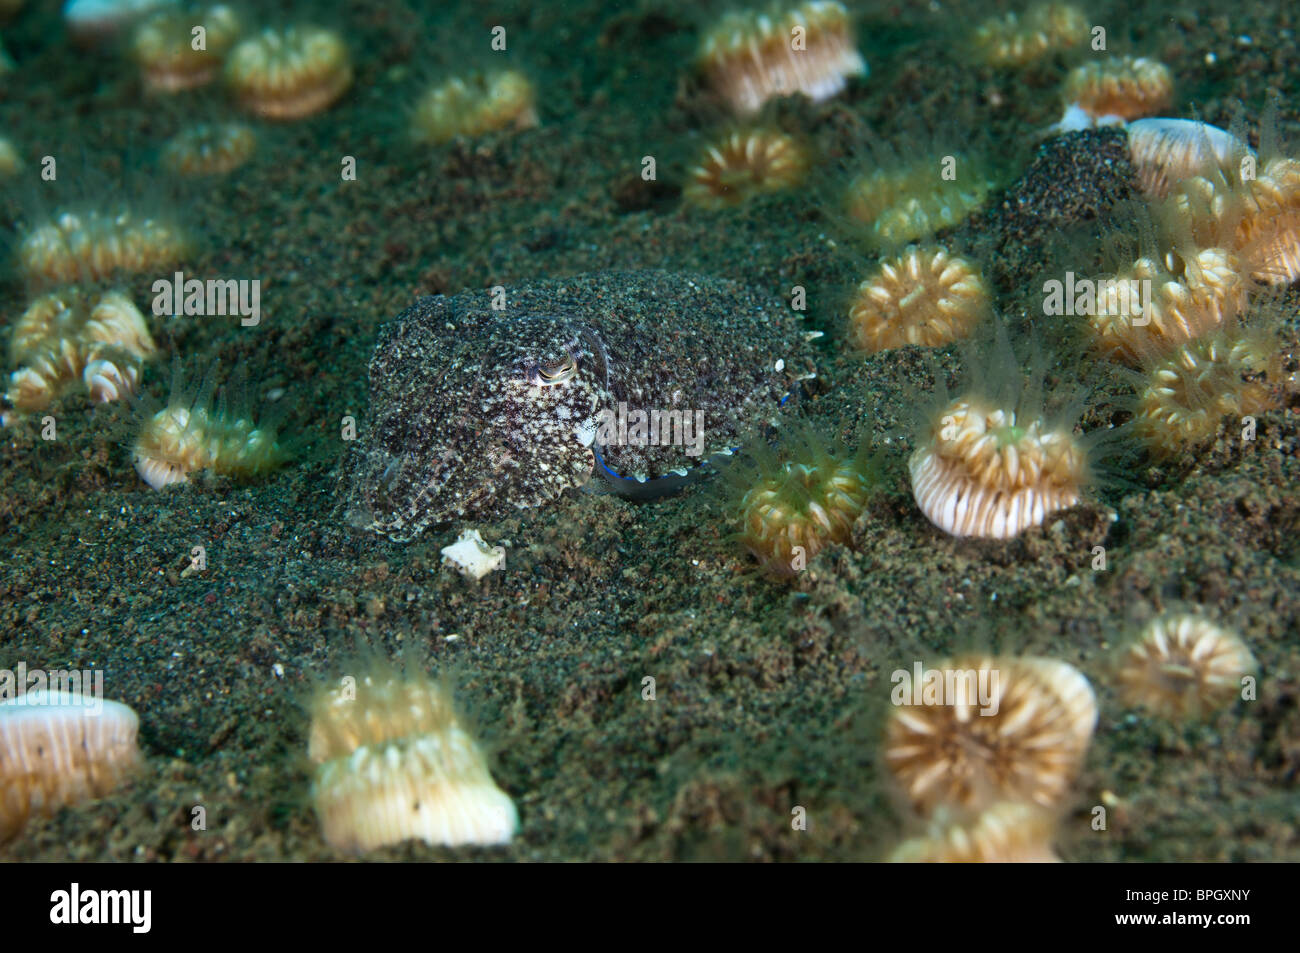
472 557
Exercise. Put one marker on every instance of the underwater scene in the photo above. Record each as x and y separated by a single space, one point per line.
650 431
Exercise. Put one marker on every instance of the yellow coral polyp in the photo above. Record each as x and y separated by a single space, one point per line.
977 731
204 149
1046 28
1164 152
473 106
58 748
1128 323
1188 392
1184 666
1119 88
63 337
95 245
394 763
984 472
924 296
289 74
744 164
1271 227
793 508
1258 216
164 47
1009 832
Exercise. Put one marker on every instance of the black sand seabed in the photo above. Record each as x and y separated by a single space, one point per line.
768 697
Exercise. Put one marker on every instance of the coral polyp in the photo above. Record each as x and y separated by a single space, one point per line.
980 730
66 336
988 471
791 509
1164 152
164 46
394 763
1147 309
289 74
473 106
924 296
906 198
1113 90
205 149
1184 666
1046 28
59 748
1258 216
744 164
1185 395
749 57
191 434
93 245
1271 228
1009 832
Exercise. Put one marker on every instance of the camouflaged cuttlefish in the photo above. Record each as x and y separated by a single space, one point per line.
633 377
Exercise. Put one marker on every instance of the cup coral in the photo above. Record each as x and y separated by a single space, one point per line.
1184 395
1252 208
96 244
987 471
791 508
1002 454
474 105
743 164
394 763
908 189
1272 225
1210 288
1020 738
58 748
1046 28
1166 151
207 149
750 57
1184 666
164 46
923 296
63 337
1115 89
290 73
192 433
1009 832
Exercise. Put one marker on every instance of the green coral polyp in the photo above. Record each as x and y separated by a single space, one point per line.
179 440
913 202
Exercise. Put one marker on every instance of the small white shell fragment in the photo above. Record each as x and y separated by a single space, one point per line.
472 557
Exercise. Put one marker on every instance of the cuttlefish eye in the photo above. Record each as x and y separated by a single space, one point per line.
547 374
